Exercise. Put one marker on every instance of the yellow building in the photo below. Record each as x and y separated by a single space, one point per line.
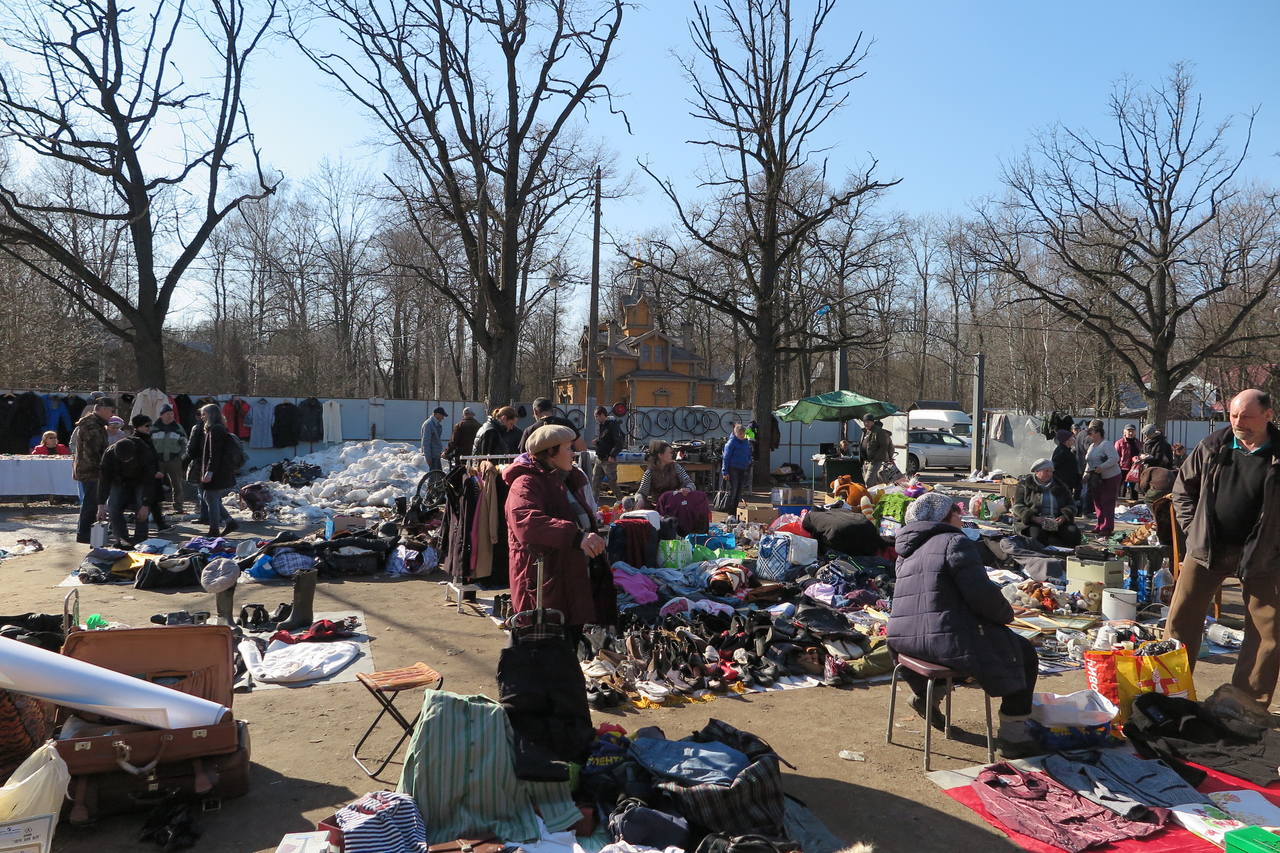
638 364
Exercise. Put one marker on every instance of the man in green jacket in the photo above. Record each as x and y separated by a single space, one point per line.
170 441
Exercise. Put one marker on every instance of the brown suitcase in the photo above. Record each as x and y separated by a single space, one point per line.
133 768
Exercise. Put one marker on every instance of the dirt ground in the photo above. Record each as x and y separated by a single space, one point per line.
302 738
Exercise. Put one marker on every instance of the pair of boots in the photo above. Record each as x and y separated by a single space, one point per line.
301 617
1013 738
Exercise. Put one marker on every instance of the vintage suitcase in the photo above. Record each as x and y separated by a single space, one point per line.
132 767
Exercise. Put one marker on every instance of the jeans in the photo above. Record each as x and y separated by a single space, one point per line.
737 485
88 510
689 762
175 477
124 495
1259 659
211 501
434 463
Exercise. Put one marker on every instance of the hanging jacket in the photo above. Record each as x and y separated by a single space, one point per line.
542 524
947 611
188 414
284 431
262 418
310 420
22 421
57 417
236 414
149 402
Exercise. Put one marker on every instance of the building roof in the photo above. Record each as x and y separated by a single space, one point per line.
630 347
664 374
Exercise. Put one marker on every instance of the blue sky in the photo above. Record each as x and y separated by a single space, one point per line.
950 90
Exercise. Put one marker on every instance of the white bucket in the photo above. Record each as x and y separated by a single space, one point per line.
1119 603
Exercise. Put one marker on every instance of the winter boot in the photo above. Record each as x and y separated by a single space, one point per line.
1013 738
304 596
933 715
225 603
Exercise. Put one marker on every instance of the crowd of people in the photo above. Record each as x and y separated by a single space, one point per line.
121 466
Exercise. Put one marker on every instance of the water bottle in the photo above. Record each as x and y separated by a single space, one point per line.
1162 586
328 525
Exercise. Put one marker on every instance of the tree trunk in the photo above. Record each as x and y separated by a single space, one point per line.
766 361
148 354
1158 395
501 366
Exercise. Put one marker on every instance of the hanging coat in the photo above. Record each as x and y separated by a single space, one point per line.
284 432
236 413
310 420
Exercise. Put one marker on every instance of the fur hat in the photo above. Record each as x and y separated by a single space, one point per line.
931 506
548 436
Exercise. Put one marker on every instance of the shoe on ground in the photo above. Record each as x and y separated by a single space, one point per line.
232 526
1013 738
935 716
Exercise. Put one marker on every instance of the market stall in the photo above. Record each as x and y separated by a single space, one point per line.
36 475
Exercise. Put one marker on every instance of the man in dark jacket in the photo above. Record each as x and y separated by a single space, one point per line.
1227 500
464 436
86 467
544 414
128 478
1044 508
947 611
1066 464
608 442
1156 450
876 446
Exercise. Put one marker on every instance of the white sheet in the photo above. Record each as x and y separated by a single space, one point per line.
37 475
284 663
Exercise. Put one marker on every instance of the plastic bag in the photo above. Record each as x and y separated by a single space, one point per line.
803 551
1082 708
674 553
37 787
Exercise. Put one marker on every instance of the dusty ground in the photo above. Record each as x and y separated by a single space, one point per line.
302 739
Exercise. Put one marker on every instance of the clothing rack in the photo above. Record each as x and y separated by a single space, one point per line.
453 589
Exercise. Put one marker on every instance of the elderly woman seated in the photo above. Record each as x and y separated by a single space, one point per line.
948 612
1044 509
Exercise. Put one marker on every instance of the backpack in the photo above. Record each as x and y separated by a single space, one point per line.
239 458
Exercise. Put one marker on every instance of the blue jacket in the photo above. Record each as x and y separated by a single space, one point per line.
432 438
737 454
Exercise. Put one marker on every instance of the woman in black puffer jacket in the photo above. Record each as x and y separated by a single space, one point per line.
948 612
213 455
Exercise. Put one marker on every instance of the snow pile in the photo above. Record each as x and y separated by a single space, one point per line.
359 475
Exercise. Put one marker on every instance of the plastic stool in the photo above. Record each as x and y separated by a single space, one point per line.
932 672
393 682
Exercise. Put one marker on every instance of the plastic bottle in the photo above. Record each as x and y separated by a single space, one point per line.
1161 582
328 525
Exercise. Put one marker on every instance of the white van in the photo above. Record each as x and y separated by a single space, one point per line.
951 420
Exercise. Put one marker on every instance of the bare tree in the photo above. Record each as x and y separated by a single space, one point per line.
1144 235
483 146
765 87
105 90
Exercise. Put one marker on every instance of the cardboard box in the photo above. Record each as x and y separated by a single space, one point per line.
760 514
1079 572
1009 489
345 523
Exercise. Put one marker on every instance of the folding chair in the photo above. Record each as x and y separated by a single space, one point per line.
393 682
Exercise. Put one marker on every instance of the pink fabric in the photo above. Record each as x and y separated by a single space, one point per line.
641 588
1173 839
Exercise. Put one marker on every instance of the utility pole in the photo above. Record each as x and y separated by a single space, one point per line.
978 446
589 419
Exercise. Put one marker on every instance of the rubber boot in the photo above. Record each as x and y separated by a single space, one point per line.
304 596
225 603
1013 738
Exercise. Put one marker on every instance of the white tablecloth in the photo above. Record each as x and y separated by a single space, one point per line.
37 475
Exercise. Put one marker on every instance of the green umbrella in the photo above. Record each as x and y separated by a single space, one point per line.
834 406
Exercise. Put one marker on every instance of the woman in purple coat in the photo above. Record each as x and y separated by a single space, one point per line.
948 612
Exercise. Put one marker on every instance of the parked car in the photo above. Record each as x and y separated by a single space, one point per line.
936 448
948 420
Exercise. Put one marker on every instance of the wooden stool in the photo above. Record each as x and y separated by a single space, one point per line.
393 682
932 672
